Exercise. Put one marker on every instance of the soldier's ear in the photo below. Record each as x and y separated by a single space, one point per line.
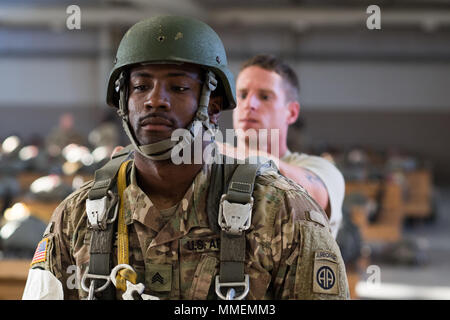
214 108
293 110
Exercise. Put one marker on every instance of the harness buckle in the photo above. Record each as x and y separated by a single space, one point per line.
234 218
97 211
134 291
231 292
94 277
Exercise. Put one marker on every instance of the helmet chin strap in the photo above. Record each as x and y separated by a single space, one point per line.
162 150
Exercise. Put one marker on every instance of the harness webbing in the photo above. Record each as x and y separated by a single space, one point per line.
236 190
232 246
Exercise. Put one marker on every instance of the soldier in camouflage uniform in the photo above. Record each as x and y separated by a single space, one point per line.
290 252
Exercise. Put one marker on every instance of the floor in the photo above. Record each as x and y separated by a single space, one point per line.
428 279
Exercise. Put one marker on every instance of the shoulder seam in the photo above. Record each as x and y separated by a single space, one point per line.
83 188
292 185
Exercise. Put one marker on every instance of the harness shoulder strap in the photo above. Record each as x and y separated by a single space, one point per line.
221 183
234 218
101 207
104 177
221 174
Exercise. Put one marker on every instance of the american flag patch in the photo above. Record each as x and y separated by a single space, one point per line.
40 254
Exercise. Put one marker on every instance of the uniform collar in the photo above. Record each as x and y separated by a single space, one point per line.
190 213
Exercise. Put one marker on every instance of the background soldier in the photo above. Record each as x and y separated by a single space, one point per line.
171 73
268 98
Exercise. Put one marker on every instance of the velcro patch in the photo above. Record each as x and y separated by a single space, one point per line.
325 275
40 255
316 217
241 186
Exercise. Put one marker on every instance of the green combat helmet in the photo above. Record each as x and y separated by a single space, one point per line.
171 39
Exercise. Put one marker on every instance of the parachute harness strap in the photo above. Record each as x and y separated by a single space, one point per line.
102 225
234 218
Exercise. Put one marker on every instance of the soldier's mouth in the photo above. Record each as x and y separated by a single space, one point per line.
249 120
156 123
248 123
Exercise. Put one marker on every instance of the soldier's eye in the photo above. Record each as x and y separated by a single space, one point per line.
180 89
243 95
140 87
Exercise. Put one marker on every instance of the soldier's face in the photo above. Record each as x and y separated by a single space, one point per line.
162 98
261 100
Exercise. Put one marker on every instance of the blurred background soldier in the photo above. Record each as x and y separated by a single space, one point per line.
63 135
268 98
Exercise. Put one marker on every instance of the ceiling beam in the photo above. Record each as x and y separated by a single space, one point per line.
296 18
55 17
299 19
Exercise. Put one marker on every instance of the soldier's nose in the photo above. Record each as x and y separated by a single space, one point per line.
157 98
251 102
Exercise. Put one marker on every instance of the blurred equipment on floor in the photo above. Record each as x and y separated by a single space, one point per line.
385 191
20 232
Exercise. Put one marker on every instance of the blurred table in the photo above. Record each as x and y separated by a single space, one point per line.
40 209
388 227
13 276
418 194
27 178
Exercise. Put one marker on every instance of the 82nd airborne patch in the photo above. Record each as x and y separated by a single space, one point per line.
325 275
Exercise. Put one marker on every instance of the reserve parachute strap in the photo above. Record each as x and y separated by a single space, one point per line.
126 273
126 276
122 230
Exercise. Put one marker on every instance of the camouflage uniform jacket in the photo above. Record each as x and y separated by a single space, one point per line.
290 252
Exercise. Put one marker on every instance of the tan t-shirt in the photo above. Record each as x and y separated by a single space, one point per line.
330 176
